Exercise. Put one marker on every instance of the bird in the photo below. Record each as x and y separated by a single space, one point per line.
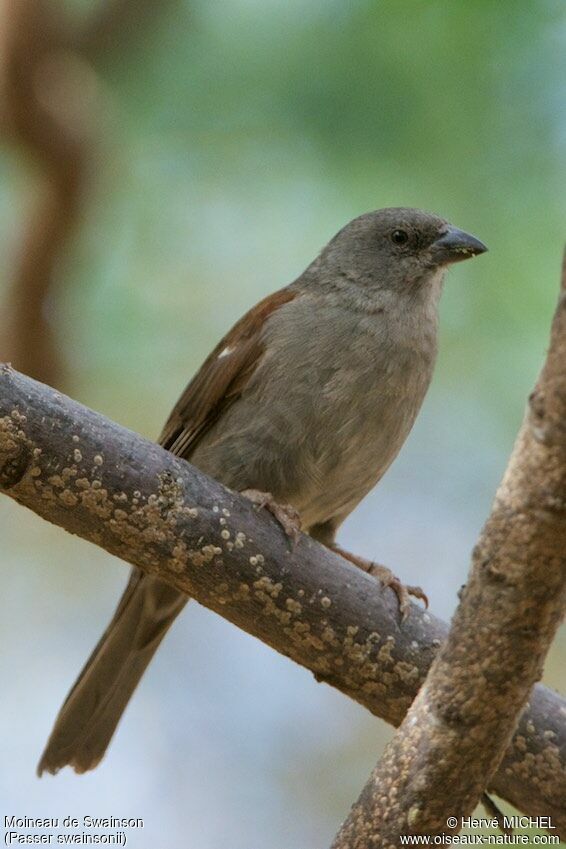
302 407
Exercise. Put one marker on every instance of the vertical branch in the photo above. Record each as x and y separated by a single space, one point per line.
50 113
43 113
456 732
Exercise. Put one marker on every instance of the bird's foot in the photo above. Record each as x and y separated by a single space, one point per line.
285 514
402 591
387 578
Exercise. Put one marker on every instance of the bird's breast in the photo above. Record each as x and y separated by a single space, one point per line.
356 386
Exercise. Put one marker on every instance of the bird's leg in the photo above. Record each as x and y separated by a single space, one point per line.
387 578
285 514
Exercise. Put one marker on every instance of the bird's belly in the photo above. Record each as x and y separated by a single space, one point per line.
323 445
351 451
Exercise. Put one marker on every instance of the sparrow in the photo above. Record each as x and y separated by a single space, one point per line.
302 406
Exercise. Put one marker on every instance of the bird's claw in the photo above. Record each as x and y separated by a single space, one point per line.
285 514
402 591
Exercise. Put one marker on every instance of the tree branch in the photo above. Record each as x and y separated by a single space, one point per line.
43 112
50 107
130 496
457 730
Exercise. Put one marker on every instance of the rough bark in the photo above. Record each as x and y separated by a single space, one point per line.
456 732
130 496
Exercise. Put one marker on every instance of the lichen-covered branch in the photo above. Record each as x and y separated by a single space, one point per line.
139 502
457 730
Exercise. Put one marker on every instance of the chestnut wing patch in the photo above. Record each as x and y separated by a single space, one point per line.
221 379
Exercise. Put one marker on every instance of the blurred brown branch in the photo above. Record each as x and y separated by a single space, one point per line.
456 732
50 110
43 113
118 24
136 500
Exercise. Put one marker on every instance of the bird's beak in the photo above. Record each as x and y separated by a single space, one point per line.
454 245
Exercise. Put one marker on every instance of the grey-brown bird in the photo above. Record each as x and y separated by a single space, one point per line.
305 402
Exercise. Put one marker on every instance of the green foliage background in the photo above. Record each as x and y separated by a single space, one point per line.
234 139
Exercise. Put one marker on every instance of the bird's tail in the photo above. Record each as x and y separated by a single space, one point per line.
92 710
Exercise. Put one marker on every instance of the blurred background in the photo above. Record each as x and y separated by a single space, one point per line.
165 165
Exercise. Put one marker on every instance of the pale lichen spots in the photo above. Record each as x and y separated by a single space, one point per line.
264 592
68 498
243 593
75 438
301 593
10 435
549 735
204 555
225 534
413 815
77 456
222 521
154 535
94 498
225 511
98 460
328 635
406 672
177 561
321 666
215 508
267 586
300 635
315 642
325 602
520 743
293 605
384 653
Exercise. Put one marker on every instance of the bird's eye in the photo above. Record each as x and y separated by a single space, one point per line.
399 237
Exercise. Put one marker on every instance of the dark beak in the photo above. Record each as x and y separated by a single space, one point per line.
454 245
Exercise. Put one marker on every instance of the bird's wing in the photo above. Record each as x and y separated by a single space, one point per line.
221 379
